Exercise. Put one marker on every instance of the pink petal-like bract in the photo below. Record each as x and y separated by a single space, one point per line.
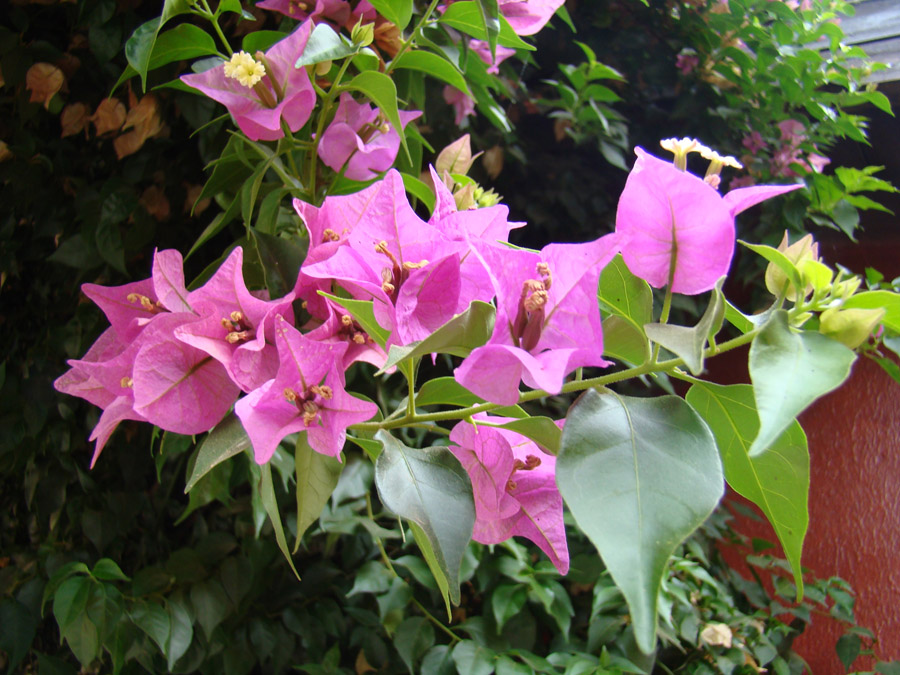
674 221
548 318
360 138
514 486
307 394
527 17
257 120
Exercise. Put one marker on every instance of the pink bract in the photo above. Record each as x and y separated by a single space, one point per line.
673 218
334 11
514 486
548 318
360 138
256 120
527 17
307 394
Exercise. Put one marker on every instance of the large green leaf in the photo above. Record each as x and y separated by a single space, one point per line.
398 12
447 391
639 475
139 47
466 16
689 343
434 65
430 488
790 370
776 481
459 336
317 476
226 440
183 42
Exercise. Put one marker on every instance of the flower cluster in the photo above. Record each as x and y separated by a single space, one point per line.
181 359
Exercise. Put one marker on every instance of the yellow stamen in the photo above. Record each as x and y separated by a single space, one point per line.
243 68
127 382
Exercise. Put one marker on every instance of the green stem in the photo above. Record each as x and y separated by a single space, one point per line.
569 387
412 36
289 138
667 305
320 128
214 20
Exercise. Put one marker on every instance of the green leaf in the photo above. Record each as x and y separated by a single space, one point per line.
19 629
326 45
466 17
490 17
261 40
181 631
108 570
430 488
847 648
776 481
738 319
887 300
541 430
630 301
211 604
507 601
624 341
281 260
267 495
380 89
434 65
689 343
624 294
226 440
362 311
154 621
398 12
139 47
789 370
70 601
413 637
459 336
639 475
419 190
60 576
317 476
471 658
183 42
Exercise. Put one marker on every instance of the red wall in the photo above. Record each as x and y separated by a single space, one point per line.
854 505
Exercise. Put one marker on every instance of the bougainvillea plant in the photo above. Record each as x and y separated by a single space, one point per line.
409 276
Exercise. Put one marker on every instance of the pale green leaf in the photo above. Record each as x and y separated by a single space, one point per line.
639 475
226 440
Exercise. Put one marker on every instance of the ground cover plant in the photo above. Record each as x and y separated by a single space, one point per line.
351 313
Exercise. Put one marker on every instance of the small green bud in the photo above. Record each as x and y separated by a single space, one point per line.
363 35
322 67
847 288
485 198
851 327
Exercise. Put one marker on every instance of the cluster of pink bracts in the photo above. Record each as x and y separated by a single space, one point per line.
180 359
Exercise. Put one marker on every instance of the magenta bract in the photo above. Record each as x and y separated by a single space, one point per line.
671 218
514 485
257 119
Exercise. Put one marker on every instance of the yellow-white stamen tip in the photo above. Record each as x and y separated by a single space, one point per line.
683 146
245 69
723 160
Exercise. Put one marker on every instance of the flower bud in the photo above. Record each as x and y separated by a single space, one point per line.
801 250
851 327
363 35
323 67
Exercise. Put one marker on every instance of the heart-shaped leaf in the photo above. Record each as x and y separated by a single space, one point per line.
639 475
